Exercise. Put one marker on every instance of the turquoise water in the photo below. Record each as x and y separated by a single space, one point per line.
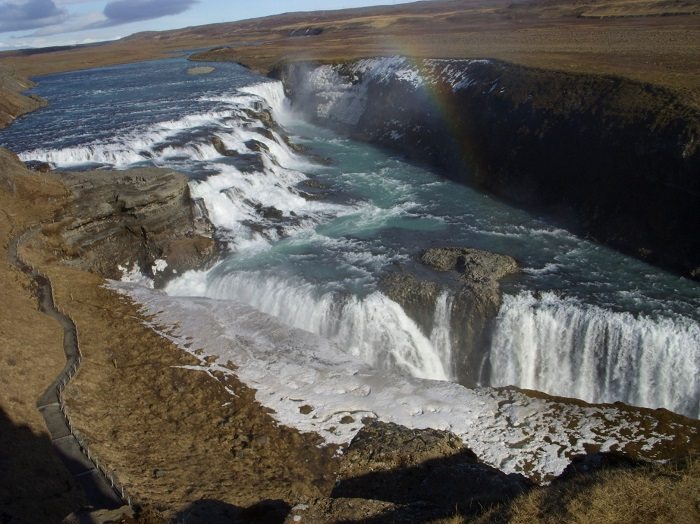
580 320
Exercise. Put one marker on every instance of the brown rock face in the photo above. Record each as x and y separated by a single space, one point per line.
475 265
417 297
137 216
475 303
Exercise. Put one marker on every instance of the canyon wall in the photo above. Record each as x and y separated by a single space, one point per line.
608 158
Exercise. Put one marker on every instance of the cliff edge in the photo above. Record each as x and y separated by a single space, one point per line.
609 158
13 103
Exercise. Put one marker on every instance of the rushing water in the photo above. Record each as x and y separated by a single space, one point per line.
310 240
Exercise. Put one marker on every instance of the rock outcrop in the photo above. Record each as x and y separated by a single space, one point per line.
605 157
476 299
306 31
474 265
392 472
140 216
474 284
13 103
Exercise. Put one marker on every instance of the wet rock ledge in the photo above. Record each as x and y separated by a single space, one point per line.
473 277
118 219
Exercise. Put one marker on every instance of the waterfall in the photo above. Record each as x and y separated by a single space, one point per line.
440 336
374 328
564 347
273 94
149 143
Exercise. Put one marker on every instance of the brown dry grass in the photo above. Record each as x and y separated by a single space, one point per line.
654 494
12 102
34 486
655 41
173 436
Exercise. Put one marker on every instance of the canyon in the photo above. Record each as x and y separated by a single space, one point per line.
589 149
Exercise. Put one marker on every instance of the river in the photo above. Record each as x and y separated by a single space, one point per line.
312 233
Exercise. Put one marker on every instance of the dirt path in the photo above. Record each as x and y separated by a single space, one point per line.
98 489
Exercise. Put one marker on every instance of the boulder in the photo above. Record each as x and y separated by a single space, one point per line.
474 265
392 463
221 147
269 212
257 146
474 276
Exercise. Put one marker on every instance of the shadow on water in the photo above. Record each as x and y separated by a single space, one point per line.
35 487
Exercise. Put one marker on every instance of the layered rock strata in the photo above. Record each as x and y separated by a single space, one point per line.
142 217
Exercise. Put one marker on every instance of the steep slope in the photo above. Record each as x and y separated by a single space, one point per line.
13 103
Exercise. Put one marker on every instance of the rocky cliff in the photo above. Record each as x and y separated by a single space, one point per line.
141 216
474 277
609 158
13 103
116 220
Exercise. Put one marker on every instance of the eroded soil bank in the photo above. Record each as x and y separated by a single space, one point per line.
13 103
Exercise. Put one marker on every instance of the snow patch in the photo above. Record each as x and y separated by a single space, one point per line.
290 367
159 266
135 276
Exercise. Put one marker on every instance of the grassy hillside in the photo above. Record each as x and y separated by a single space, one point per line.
655 41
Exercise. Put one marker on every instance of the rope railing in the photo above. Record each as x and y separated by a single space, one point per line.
110 476
67 376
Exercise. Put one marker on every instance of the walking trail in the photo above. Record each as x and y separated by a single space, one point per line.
98 489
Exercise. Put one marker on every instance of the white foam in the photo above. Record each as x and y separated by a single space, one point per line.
290 368
133 147
159 266
341 91
374 328
564 347
272 93
134 275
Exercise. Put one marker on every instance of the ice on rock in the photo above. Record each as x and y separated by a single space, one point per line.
505 428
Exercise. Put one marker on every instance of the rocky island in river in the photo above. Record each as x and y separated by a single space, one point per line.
249 313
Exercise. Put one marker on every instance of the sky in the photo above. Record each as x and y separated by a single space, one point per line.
41 23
